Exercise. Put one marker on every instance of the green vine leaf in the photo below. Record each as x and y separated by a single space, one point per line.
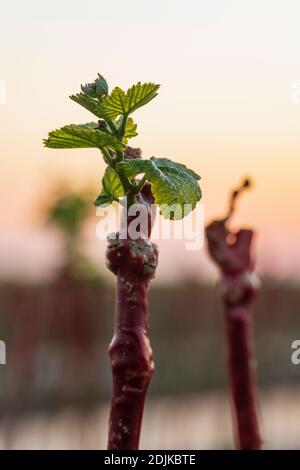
112 188
81 136
172 184
130 129
121 103
103 200
89 125
139 95
89 103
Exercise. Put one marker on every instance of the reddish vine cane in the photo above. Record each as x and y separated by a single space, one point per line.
134 263
231 251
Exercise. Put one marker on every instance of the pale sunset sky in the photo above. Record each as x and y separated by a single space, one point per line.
226 108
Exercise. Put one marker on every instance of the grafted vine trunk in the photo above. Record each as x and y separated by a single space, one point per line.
239 286
134 264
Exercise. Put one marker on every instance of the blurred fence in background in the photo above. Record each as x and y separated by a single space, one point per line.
57 336
55 387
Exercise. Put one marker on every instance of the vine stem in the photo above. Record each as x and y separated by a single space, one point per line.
231 251
242 377
128 187
123 126
134 263
140 184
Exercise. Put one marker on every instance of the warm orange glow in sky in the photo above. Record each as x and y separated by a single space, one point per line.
226 108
